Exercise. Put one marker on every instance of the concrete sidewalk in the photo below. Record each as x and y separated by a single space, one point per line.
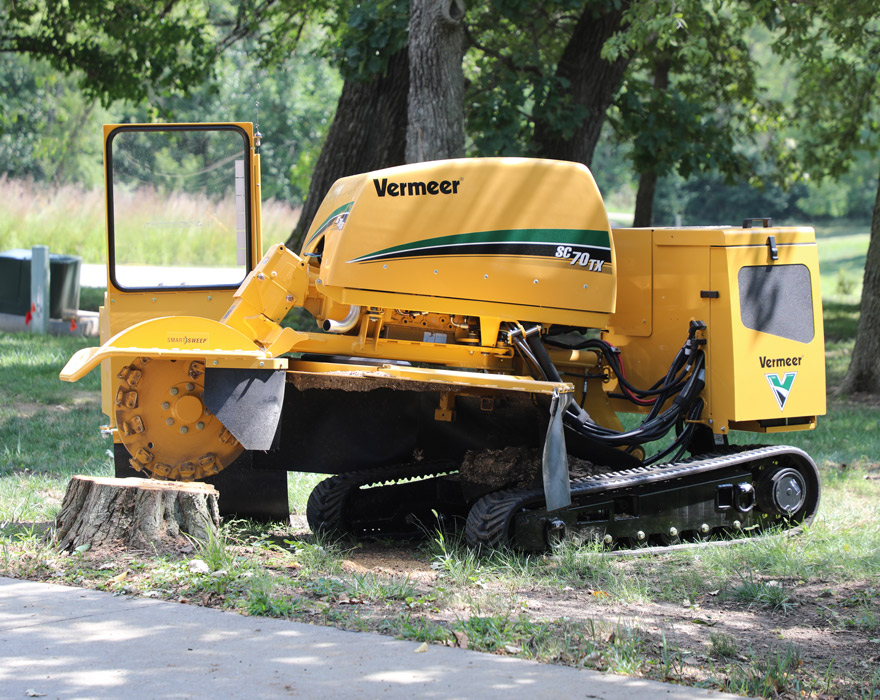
63 642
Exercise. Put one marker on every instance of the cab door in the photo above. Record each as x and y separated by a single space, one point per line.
183 223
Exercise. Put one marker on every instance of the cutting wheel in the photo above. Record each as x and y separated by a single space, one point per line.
161 416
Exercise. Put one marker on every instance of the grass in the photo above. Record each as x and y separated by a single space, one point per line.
70 220
496 602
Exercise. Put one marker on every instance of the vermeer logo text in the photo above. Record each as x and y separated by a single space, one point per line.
415 189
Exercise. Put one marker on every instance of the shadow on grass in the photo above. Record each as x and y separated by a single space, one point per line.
841 321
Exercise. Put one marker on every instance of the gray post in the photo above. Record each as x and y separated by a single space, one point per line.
40 289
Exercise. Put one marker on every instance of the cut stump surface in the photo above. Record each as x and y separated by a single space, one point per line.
135 513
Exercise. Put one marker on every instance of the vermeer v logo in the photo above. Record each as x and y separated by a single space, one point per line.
781 386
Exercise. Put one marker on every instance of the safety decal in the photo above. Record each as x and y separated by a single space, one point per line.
781 386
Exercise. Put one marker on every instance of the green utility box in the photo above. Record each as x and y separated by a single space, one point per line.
15 283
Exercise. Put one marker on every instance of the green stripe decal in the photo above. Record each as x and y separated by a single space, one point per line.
479 240
341 210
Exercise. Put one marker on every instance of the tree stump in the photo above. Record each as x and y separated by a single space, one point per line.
135 513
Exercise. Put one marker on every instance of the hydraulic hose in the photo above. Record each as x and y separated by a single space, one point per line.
683 383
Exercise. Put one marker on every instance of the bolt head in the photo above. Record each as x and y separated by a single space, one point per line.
184 429
169 421
174 391
166 405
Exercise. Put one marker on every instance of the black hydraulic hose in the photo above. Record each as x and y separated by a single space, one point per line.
540 352
679 445
685 376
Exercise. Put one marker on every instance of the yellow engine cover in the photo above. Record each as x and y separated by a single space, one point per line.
526 239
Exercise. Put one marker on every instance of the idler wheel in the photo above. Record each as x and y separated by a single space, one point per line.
783 491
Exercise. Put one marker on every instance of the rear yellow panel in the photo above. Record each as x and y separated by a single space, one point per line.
761 302
766 358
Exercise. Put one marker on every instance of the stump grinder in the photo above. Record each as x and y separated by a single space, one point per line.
484 349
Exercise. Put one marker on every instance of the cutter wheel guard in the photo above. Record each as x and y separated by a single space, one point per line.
476 332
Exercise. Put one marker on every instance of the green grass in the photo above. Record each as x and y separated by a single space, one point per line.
48 429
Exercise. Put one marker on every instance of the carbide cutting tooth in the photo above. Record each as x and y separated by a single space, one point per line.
187 470
144 456
160 469
208 465
226 437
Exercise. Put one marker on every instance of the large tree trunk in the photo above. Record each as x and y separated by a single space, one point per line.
863 374
367 133
436 80
592 82
644 214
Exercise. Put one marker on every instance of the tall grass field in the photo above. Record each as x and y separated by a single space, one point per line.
70 220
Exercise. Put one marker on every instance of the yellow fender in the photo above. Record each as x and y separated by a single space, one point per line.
175 337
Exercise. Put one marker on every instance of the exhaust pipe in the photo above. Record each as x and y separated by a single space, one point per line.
346 324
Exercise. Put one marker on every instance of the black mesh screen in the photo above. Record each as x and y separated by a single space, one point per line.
777 299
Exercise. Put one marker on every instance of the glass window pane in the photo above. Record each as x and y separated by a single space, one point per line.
180 208
777 299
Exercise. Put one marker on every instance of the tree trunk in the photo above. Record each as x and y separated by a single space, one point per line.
435 127
863 375
367 133
592 83
136 513
644 214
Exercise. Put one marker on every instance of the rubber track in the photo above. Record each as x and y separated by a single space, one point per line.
488 523
325 509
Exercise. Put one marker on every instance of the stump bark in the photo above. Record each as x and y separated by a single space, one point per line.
135 513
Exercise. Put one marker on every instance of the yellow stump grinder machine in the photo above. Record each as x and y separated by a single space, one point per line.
479 330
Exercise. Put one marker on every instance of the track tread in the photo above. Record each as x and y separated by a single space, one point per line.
326 505
488 522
